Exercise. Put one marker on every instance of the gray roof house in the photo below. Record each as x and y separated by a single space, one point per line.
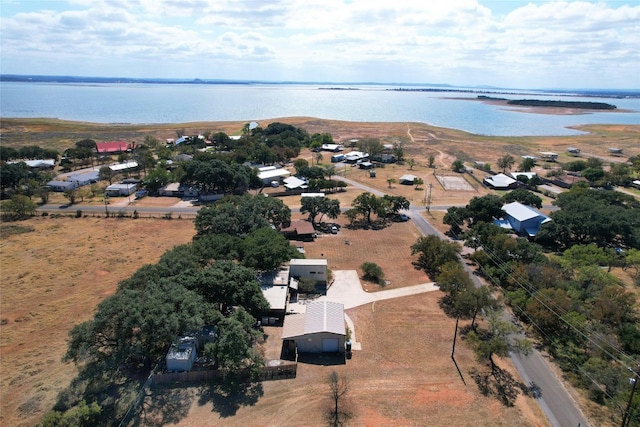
320 330
522 219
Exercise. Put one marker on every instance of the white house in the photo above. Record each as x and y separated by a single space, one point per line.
500 182
321 329
273 174
523 219
315 269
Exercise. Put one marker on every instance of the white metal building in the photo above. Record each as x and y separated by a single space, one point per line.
320 330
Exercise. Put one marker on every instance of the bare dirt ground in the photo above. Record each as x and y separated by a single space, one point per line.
52 278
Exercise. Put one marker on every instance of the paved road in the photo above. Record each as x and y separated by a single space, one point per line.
556 402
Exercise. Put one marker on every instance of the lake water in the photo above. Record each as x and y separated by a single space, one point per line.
178 103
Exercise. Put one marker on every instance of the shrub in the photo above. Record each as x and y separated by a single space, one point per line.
373 272
306 285
79 213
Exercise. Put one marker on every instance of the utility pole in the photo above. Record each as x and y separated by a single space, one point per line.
626 418
106 203
429 199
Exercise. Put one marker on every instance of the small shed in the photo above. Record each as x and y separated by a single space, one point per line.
181 355
365 165
615 151
407 179
321 329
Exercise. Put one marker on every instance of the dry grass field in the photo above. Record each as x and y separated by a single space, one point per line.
53 275
54 271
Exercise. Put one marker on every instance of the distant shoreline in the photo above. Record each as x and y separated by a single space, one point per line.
392 86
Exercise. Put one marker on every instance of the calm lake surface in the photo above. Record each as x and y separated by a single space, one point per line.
178 103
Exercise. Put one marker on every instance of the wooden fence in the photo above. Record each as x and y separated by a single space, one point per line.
265 373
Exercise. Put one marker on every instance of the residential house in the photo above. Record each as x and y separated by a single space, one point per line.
522 219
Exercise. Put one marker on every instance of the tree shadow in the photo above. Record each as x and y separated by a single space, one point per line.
324 359
498 383
164 405
229 395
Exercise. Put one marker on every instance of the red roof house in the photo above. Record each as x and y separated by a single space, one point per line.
114 147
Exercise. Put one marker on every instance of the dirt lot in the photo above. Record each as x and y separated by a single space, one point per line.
53 276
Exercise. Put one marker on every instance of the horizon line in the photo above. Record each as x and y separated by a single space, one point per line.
177 80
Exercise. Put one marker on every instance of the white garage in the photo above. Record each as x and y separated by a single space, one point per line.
320 330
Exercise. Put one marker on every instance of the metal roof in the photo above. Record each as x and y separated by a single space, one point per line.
500 180
316 261
521 212
321 316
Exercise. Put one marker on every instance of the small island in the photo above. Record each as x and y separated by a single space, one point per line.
584 105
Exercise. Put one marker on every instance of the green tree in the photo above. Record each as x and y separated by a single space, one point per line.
472 300
234 348
524 196
506 162
373 272
418 182
266 249
411 162
432 161
485 209
391 181
315 206
496 340
458 166
71 195
433 253
452 278
365 204
19 207
106 174
527 164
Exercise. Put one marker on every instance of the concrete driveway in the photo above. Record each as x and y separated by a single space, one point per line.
346 289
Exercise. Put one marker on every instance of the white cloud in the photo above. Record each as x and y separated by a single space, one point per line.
453 41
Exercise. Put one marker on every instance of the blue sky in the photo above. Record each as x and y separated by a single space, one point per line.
505 43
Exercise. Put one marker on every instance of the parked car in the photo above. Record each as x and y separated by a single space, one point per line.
334 229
